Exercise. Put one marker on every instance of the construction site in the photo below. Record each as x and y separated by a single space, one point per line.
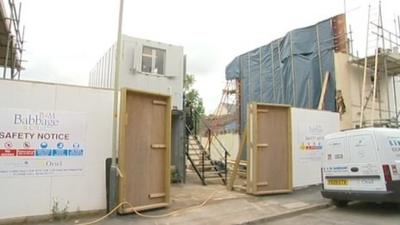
130 147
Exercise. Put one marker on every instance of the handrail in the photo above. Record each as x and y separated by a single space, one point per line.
212 133
194 116
190 159
201 145
203 155
217 148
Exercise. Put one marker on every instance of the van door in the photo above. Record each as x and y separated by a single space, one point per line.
389 144
364 166
334 163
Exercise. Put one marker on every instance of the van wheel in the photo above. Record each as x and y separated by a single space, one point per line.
340 203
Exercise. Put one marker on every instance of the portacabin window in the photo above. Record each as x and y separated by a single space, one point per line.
153 60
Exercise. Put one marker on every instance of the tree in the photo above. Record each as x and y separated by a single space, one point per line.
192 96
193 102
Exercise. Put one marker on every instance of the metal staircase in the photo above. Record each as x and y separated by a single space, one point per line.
206 167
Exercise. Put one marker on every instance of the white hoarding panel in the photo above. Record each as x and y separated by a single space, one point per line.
308 130
54 140
41 143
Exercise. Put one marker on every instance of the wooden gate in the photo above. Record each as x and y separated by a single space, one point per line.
144 150
269 149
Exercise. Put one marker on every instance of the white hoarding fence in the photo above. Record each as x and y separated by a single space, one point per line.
308 130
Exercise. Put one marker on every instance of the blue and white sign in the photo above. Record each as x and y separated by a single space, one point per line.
42 143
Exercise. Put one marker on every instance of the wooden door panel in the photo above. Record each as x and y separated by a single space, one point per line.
269 149
272 150
144 150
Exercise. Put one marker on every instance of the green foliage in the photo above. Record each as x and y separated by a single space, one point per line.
188 82
59 213
192 95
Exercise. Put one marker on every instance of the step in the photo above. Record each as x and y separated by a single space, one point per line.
214 178
194 153
208 166
206 170
214 172
205 160
199 157
195 149
192 139
194 145
199 165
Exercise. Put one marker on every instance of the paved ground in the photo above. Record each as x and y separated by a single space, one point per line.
357 213
225 207
229 207
304 206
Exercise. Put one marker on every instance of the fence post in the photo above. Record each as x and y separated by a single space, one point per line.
202 165
209 142
226 167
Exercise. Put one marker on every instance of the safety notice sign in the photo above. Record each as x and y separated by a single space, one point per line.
41 143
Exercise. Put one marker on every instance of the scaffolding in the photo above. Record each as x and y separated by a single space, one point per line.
228 107
11 40
380 66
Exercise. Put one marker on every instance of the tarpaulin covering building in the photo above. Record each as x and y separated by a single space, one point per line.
289 70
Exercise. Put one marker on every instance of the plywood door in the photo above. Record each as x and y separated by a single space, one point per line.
145 150
272 145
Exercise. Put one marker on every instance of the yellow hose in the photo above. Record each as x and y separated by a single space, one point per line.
150 216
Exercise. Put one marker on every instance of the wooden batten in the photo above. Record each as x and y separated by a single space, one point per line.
262 110
158 146
157 195
262 184
157 102
144 153
262 145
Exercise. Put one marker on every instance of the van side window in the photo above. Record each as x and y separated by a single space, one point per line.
362 149
336 151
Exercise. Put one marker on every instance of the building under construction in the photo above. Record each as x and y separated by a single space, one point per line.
314 67
11 39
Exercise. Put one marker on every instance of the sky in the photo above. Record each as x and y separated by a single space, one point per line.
65 38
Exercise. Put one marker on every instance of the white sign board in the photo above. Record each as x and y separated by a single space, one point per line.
308 130
310 136
41 143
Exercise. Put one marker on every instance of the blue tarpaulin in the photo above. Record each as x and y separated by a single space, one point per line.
289 70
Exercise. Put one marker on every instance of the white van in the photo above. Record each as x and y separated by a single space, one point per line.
363 165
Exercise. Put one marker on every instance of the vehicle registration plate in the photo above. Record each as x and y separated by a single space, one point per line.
342 182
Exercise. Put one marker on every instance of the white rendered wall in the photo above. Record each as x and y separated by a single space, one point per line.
308 129
230 142
349 80
32 196
170 83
